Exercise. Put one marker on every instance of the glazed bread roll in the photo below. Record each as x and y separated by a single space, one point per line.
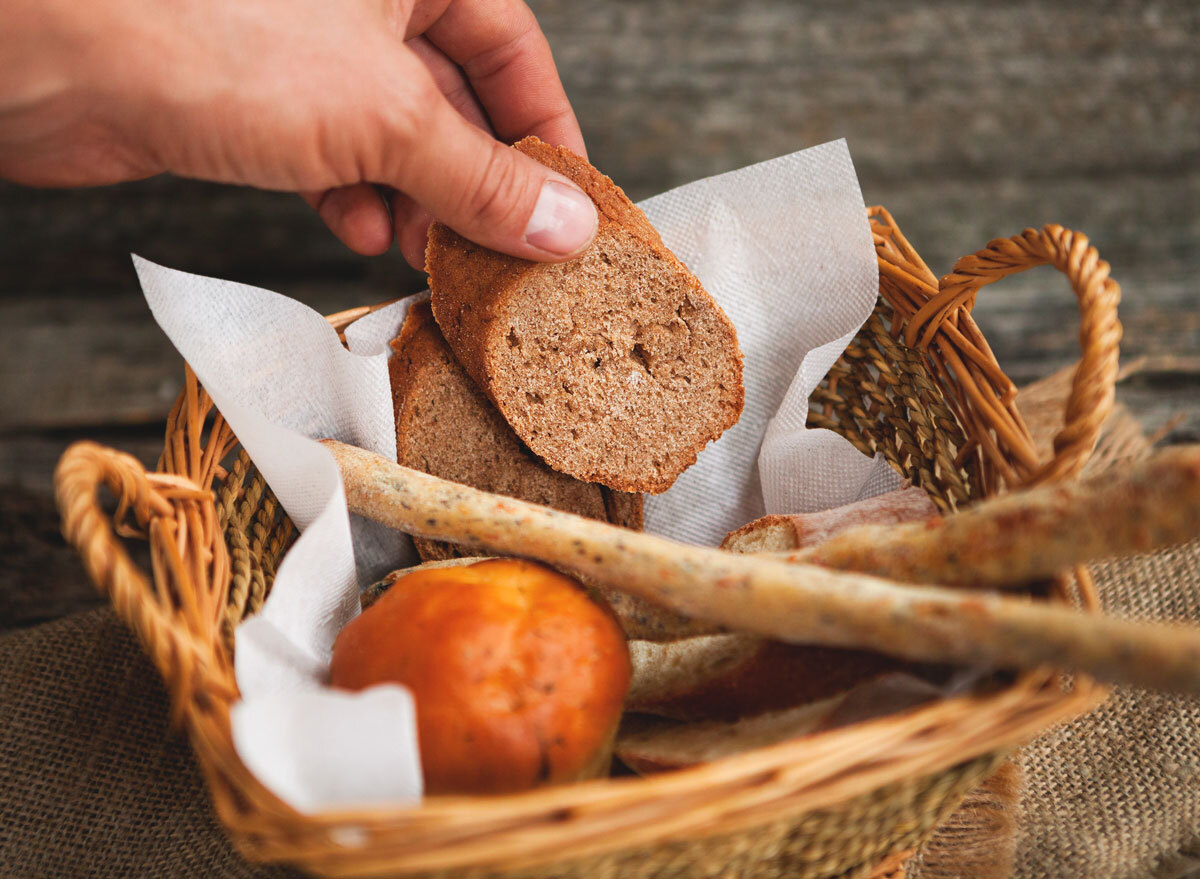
518 677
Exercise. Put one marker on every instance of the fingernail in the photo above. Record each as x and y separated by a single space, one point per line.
564 219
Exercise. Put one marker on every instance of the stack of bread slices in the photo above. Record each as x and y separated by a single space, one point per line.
576 385
581 385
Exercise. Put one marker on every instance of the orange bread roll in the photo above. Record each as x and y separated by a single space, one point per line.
518 677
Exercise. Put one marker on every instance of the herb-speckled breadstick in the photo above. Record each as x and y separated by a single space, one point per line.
640 619
1020 537
788 601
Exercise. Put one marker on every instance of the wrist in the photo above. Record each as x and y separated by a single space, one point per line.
74 81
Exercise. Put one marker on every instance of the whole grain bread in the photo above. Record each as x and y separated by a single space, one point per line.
649 745
616 367
652 744
446 427
731 676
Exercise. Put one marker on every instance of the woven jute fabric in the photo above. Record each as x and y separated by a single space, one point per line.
1116 794
93 782
979 840
1112 795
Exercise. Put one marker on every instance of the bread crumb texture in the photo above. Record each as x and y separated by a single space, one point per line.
446 427
616 367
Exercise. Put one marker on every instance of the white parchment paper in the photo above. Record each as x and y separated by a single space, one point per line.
785 249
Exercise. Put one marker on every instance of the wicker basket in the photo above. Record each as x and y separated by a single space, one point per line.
918 384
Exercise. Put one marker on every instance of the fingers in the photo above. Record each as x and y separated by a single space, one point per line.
412 229
507 60
450 81
484 190
408 136
355 214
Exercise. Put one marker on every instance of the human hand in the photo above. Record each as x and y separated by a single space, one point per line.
342 102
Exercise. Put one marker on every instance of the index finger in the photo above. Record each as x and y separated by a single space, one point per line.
507 60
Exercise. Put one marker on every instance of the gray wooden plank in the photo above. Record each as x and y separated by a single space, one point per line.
81 240
73 359
1013 113
41 577
943 88
82 360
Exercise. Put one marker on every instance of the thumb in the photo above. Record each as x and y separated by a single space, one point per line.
488 192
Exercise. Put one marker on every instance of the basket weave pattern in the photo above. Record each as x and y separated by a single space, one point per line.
918 385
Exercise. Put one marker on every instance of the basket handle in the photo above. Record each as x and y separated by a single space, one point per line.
175 625
1094 383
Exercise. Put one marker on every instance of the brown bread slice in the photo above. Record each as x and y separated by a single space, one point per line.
649 745
616 367
446 427
731 676
444 423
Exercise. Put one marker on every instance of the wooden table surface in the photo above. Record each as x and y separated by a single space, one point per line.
969 120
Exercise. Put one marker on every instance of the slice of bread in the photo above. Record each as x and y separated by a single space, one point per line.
732 676
446 427
783 533
616 367
649 745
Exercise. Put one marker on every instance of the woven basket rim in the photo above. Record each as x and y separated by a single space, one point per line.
525 829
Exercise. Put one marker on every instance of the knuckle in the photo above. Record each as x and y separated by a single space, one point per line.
395 127
403 119
491 62
332 163
397 14
497 199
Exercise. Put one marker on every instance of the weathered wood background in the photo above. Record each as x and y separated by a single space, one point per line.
970 120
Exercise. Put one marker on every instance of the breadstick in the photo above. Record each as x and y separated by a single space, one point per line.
1017 538
640 619
787 601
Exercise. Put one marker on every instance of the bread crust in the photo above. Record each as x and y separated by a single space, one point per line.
787 532
472 286
649 745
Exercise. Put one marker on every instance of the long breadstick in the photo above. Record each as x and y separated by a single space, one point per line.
1020 537
788 601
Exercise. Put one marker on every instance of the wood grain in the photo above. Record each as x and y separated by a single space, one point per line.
969 120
